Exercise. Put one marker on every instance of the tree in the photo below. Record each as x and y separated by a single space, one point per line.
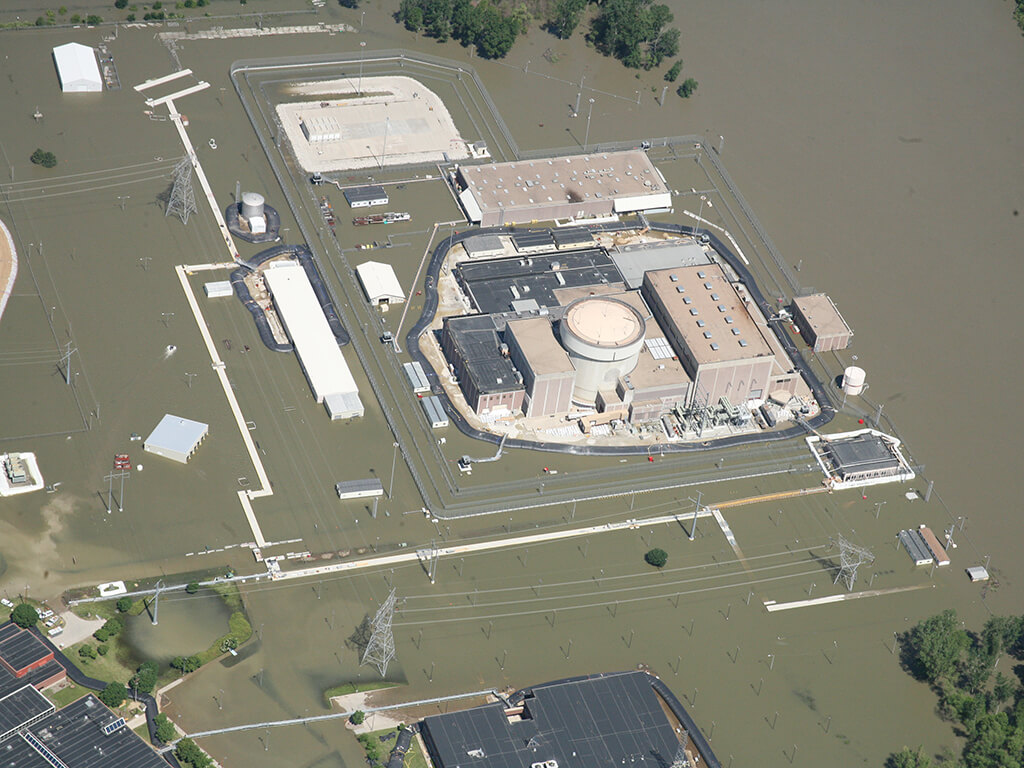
633 32
349 3
165 730
187 751
144 680
102 650
192 587
113 695
93 19
229 643
936 645
357 717
565 17
674 71
909 758
24 615
186 664
120 4
688 88
656 557
87 652
44 158
124 605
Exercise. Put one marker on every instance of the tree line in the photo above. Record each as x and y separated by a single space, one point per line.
483 26
987 705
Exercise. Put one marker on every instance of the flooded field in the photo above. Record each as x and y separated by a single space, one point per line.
884 168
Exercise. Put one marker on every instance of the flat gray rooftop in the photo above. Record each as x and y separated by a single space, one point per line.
600 722
862 453
177 434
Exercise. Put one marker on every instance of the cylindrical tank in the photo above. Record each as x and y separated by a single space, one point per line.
603 337
853 380
252 205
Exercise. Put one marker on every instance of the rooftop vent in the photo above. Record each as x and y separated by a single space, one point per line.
694 312
714 297
743 343
735 331
728 319
707 334
674 278
721 308
701 275
709 286
680 289
687 300
714 346
701 323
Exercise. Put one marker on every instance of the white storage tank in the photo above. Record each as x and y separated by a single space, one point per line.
252 205
853 380
603 337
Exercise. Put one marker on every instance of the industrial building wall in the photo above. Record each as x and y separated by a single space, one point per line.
512 401
738 380
547 212
550 394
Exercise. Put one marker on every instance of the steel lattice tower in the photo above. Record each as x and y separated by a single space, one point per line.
183 200
680 761
381 648
850 558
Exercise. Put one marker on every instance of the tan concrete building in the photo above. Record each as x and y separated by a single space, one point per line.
580 186
707 323
548 374
820 323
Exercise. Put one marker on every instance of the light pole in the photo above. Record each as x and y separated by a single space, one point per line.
362 51
586 139
700 211
361 17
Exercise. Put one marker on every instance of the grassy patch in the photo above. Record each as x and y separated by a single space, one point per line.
346 688
115 666
61 697
378 750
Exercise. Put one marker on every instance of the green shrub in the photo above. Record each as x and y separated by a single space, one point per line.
357 717
165 730
113 695
192 588
656 557
24 615
674 71
44 158
93 19
87 652
124 605
102 650
688 88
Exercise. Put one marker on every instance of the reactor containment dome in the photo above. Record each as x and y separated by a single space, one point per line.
603 337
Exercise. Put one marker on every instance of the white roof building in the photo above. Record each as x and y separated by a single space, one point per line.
176 438
380 283
325 367
77 68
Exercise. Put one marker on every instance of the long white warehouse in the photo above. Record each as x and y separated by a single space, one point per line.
326 370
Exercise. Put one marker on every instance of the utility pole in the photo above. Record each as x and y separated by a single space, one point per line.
381 648
189 377
362 50
590 112
696 509
66 360
145 262
579 95
122 199
156 603
662 99
166 317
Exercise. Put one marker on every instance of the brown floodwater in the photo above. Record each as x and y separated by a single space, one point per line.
883 162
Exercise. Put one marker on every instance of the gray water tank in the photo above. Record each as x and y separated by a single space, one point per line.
252 205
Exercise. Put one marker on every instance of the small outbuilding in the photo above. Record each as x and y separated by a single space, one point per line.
364 197
434 412
218 289
380 283
176 438
77 68
359 489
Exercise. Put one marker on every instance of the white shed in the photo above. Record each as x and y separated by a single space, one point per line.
380 283
77 68
176 438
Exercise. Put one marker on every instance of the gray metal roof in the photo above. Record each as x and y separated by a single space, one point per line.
362 194
862 453
177 434
600 722
532 238
20 707
359 486
21 649
633 261
482 244
433 409
74 735
571 236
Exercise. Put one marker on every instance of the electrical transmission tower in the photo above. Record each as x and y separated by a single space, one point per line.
851 557
183 199
381 648
680 761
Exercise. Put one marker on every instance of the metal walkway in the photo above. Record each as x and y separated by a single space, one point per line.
340 715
